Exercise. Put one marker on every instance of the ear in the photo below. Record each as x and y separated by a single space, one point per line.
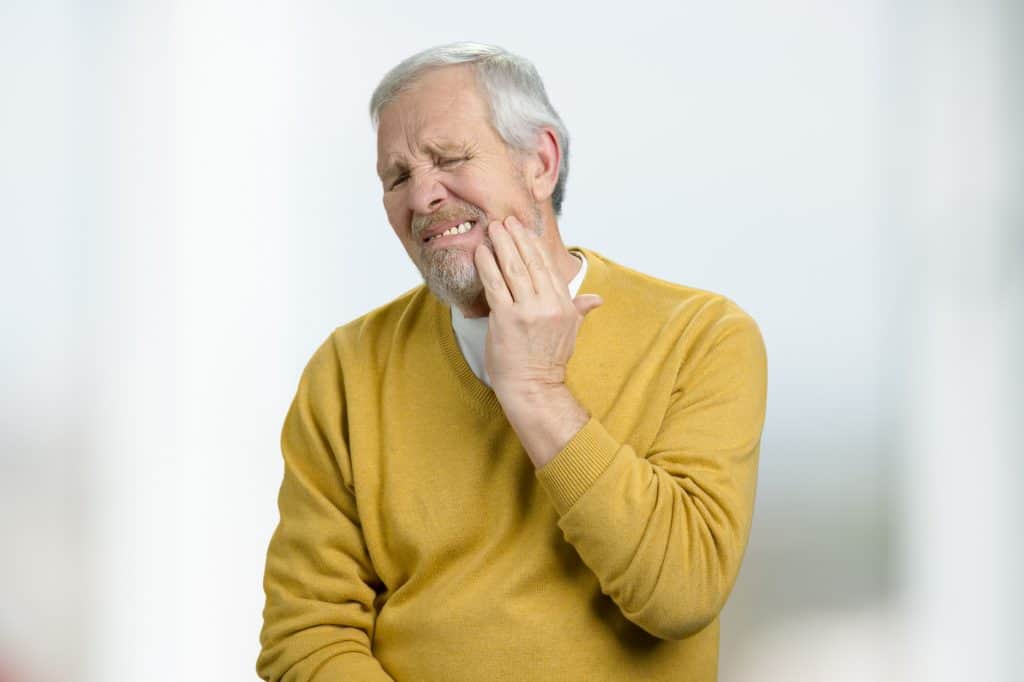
543 165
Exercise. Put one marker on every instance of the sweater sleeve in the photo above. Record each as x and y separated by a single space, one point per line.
664 531
319 580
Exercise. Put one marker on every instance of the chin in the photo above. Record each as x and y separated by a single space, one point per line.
461 297
451 275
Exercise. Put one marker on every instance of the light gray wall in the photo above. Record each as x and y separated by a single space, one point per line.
190 207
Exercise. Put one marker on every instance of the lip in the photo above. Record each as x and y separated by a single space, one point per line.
441 227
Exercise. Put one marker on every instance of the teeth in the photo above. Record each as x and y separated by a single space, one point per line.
458 229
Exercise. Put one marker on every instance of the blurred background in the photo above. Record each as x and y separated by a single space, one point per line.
189 206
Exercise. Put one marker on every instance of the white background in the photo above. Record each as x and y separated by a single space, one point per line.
189 207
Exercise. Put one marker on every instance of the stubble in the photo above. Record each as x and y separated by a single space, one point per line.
450 272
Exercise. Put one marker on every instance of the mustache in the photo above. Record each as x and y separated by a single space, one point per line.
421 223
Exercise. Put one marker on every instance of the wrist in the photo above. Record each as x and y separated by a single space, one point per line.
531 392
545 417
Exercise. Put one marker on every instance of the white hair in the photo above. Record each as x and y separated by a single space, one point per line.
512 88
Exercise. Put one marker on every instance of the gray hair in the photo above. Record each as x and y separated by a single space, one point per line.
511 86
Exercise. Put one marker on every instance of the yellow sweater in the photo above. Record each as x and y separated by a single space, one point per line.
418 543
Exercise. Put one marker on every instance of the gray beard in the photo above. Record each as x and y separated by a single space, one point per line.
451 273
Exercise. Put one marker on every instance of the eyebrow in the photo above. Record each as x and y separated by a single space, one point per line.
439 147
392 168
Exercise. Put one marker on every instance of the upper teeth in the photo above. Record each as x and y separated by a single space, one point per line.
458 229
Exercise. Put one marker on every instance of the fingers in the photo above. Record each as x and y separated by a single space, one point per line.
539 263
586 302
495 289
517 277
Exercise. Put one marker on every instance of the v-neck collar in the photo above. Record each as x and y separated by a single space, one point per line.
478 394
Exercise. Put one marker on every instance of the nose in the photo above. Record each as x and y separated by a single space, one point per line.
427 193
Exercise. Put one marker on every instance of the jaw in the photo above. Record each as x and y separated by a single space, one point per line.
450 273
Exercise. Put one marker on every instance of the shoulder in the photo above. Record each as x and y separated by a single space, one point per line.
646 300
362 339
382 320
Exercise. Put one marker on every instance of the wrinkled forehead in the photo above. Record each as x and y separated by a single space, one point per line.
443 103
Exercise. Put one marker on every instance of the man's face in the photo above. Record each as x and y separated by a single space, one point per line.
442 165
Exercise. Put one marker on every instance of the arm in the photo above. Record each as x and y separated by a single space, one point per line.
319 615
665 531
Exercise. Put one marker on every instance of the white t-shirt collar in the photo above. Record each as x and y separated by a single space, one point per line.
471 332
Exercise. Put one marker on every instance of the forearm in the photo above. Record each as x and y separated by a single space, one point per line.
352 666
663 523
665 548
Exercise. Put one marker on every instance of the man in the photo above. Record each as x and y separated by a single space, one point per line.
481 485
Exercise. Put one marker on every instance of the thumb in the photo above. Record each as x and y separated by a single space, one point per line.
586 302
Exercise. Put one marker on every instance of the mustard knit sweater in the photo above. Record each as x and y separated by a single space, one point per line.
418 543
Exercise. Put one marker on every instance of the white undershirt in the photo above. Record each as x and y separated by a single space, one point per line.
471 332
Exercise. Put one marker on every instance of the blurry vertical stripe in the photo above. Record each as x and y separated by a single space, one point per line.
955 189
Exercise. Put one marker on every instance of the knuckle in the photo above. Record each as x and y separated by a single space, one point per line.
549 314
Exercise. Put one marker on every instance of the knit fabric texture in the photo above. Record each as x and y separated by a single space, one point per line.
418 543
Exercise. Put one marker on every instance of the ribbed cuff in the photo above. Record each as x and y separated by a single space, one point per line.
575 468
352 666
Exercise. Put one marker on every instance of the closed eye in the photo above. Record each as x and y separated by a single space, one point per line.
399 180
442 162
449 162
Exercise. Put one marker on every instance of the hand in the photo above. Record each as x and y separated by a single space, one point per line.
532 328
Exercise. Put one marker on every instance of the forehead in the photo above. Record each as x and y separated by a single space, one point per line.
443 107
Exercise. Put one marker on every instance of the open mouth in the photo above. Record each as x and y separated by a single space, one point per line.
461 228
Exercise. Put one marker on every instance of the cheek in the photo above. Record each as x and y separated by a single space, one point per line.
396 215
472 188
500 183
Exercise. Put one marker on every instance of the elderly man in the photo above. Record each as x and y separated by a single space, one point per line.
541 464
